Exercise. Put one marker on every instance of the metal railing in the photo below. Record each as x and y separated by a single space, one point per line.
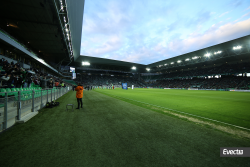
15 105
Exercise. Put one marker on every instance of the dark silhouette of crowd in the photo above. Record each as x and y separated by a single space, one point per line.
217 77
12 75
99 80
233 82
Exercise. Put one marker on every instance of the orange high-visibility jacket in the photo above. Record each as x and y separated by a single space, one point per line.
79 92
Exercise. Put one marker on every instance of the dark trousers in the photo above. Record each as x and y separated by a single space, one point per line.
79 100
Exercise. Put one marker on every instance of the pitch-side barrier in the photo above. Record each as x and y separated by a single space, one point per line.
20 106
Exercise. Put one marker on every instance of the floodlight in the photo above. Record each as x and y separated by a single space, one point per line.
133 68
187 59
207 55
85 63
179 61
165 64
237 47
172 63
195 57
217 52
61 5
148 69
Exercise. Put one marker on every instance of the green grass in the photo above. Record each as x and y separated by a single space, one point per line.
228 107
111 132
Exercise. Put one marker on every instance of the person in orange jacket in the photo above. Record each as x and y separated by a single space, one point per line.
79 93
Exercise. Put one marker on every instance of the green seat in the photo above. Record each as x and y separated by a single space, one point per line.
29 92
14 91
24 91
36 93
26 95
23 97
16 95
44 92
9 92
3 92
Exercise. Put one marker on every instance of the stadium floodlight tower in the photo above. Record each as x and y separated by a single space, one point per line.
84 63
133 68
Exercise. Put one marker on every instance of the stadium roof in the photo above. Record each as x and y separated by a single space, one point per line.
228 55
226 48
37 25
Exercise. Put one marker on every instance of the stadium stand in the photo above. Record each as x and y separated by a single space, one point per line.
105 80
225 76
20 84
70 82
14 76
40 42
212 83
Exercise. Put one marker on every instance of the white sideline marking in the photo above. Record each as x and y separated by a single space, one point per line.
194 115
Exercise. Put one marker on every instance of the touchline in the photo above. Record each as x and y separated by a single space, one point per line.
232 152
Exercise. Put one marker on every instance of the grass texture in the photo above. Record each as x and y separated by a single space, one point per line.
224 106
111 132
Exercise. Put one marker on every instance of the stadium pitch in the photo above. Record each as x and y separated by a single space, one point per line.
218 107
110 131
